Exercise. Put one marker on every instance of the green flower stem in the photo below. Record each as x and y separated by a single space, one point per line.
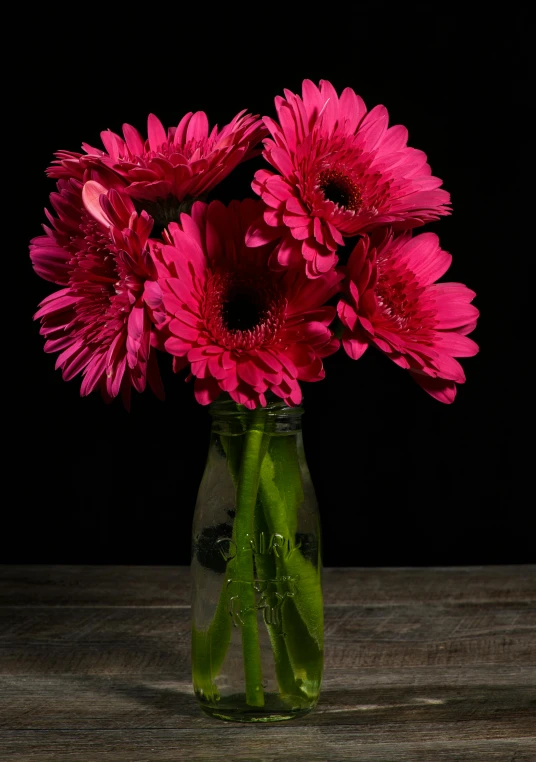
265 469
246 499
210 647
280 492
232 447
266 570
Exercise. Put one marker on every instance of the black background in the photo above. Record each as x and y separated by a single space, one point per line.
401 479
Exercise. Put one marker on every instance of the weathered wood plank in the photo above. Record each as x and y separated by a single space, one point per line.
257 744
472 584
170 585
95 585
111 641
493 705
60 660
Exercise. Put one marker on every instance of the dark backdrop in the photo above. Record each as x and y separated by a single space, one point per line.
401 479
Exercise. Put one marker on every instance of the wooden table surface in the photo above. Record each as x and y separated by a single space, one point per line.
422 665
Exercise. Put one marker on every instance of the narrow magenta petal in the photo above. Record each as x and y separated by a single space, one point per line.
438 388
156 133
133 139
197 127
354 346
206 390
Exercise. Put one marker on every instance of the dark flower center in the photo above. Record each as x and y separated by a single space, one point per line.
339 188
243 310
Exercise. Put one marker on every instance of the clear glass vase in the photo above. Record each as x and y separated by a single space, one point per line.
257 608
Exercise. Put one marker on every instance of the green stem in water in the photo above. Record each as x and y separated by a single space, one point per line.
246 499
280 492
266 472
265 564
209 648
265 567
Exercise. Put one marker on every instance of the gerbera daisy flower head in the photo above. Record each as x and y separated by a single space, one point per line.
340 171
241 327
166 171
392 301
101 321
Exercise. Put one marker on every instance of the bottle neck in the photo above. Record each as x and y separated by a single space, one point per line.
228 417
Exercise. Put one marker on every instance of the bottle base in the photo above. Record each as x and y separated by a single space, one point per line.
235 709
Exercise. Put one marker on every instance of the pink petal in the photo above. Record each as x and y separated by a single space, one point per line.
444 391
156 133
206 390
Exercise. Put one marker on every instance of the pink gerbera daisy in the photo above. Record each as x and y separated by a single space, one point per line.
340 171
65 236
171 167
101 321
241 327
393 302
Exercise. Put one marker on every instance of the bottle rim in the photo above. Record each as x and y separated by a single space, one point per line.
275 407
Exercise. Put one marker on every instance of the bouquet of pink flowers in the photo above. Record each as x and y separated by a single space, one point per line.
248 298
241 296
